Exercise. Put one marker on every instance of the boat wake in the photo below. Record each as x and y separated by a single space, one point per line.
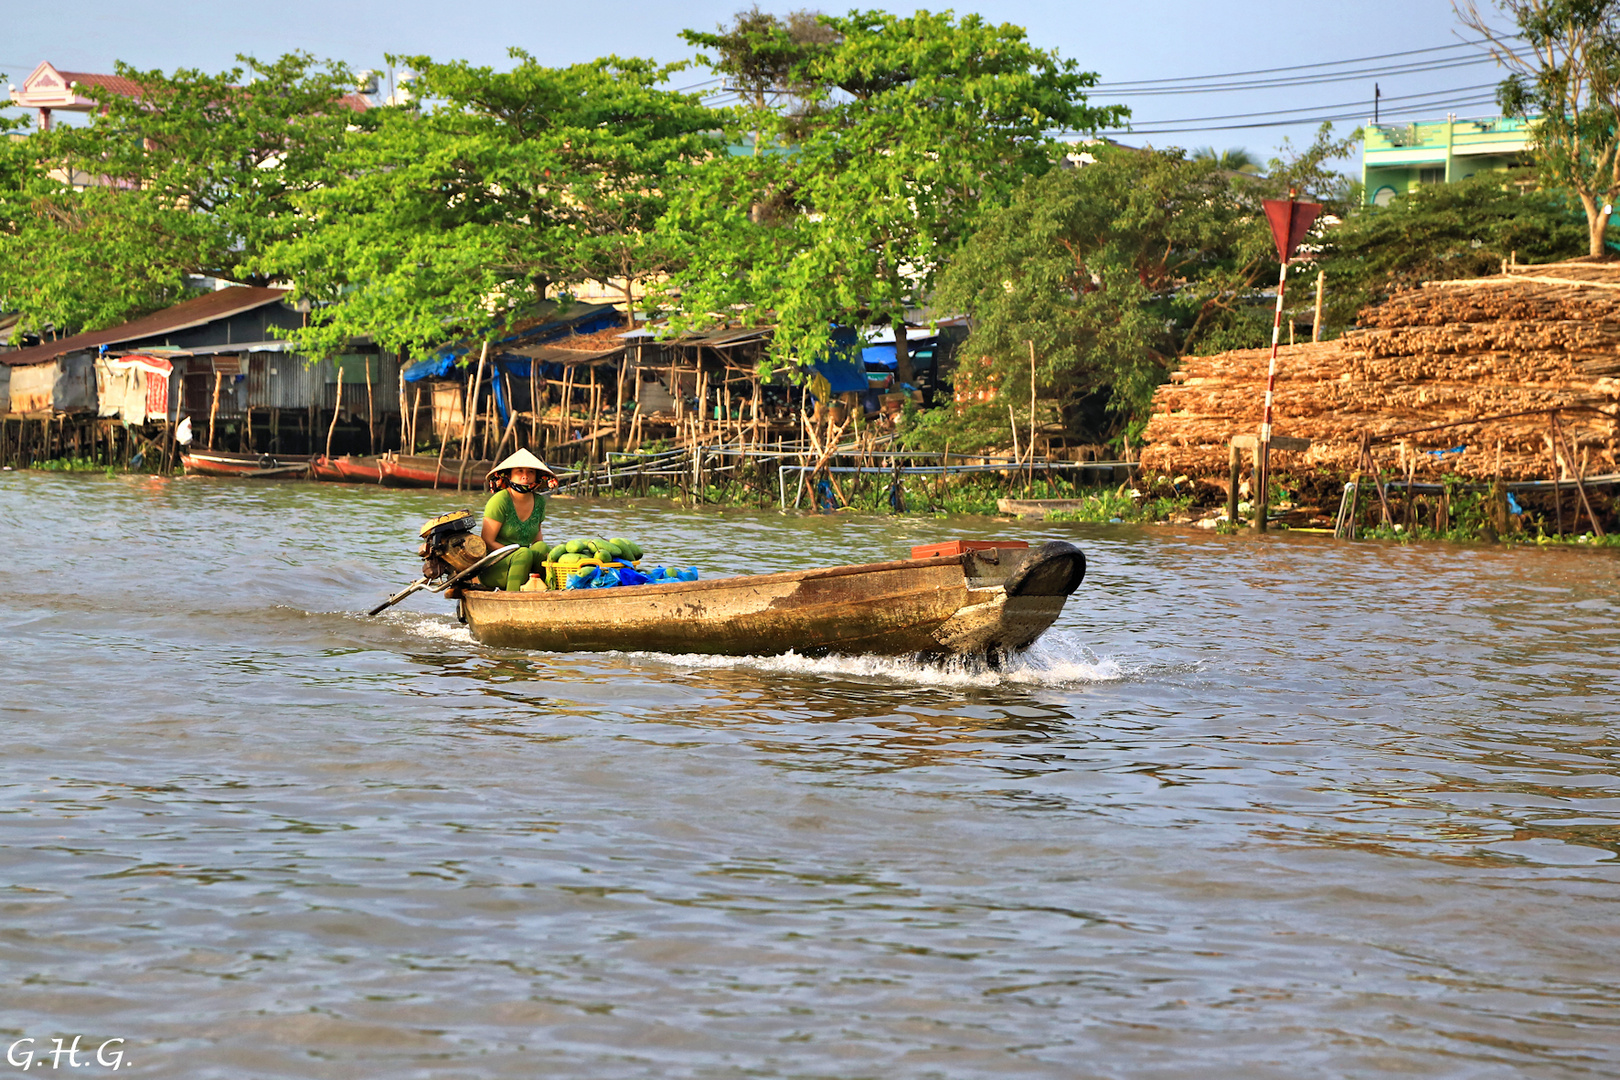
1057 660
435 627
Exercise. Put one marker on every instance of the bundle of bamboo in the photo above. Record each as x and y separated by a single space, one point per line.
1481 364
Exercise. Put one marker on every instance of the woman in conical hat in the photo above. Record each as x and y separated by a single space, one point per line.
515 514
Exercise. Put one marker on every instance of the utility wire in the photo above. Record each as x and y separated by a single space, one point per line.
1411 99
1305 67
1160 129
1277 84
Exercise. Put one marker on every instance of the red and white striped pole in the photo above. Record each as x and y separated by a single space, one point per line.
1289 222
1262 449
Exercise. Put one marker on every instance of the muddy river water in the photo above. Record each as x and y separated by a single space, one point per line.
1254 808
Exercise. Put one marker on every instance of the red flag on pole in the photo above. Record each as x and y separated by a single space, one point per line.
1290 221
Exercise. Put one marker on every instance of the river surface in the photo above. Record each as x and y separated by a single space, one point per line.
1272 807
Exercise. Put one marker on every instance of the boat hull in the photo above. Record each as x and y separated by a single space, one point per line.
427 472
322 467
242 466
359 470
972 604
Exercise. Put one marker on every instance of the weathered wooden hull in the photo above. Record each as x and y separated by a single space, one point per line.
423 471
360 470
982 603
322 467
242 466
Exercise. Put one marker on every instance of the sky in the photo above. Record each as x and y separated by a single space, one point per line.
1124 43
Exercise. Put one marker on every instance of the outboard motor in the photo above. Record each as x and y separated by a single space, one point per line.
450 544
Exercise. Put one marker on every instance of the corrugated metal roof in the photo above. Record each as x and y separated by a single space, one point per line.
275 346
188 313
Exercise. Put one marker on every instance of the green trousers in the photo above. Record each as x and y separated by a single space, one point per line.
514 570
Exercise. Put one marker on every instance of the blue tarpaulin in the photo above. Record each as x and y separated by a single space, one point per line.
442 364
843 370
581 319
921 351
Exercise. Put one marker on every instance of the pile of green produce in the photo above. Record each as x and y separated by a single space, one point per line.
586 549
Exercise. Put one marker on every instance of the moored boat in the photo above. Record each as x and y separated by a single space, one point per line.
360 470
322 467
990 602
413 470
242 466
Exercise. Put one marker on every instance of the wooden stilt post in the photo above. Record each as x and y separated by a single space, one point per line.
213 409
1029 478
618 408
1316 320
469 415
1234 474
1580 483
371 410
337 404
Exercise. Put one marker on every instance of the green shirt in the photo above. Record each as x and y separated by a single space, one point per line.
514 530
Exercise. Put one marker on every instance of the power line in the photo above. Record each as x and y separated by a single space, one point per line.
1322 80
1410 98
1159 129
697 86
1304 67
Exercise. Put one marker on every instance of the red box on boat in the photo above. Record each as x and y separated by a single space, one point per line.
960 547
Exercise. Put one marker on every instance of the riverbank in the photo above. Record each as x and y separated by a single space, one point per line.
1469 517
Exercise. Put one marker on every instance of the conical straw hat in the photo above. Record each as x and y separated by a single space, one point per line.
521 460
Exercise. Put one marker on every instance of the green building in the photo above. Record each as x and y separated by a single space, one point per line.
1396 158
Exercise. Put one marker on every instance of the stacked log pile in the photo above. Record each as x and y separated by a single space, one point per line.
1451 352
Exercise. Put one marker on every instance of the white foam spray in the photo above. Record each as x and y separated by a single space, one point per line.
1057 660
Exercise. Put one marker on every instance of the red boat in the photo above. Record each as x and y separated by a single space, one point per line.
351 470
242 466
323 468
412 470
360 470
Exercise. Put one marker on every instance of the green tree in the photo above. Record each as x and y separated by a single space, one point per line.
83 260
1444 232
761 56
1111 272
237 147
195 174
1235 159
465 212
1564 72
911 128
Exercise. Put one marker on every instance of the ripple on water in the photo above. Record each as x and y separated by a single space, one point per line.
1254 808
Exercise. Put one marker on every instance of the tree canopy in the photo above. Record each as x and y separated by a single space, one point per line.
457 215
1444 232
1109 272
1564 71
907 130
195 174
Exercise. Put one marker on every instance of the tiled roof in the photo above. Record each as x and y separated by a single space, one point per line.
116 83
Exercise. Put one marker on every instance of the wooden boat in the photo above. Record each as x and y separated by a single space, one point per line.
242 466
411 470
322 467
353 470
989 602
